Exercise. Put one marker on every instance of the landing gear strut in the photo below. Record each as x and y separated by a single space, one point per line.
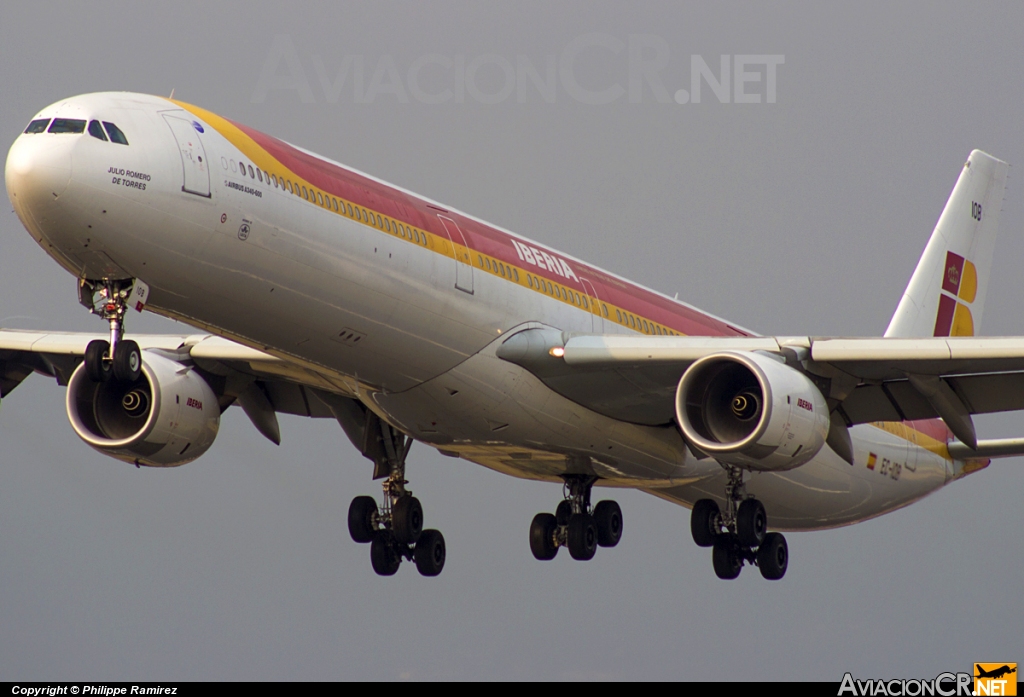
740 534
395 529
575 525
118 359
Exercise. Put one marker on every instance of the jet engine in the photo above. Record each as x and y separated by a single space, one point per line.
168 417
751 410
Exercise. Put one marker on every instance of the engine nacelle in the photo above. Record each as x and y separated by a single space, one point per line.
752 411
168 417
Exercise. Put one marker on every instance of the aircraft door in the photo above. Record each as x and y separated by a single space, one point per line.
460 250
193 156
595 306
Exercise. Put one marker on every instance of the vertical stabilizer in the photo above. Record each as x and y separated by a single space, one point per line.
946 294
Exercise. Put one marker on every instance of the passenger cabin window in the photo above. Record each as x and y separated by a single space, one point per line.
319 198
516 274
273 178
116 136
259 175
67 126
252 175
37 126
96 131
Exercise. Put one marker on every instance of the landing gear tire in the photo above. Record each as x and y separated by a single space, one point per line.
582 536
726 558
542 536
384 556
430 553
127 363
563 512
773 556
704 522
407 520
608 519
360 519
751 523
97 369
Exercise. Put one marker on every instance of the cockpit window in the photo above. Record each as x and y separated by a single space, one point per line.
116 136
38 126
96 130
67 126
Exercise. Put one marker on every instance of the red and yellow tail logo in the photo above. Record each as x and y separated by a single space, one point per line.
959 288
995 679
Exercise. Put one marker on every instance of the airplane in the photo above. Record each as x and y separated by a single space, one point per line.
320 291
995 673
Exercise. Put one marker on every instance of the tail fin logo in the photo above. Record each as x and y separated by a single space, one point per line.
959 289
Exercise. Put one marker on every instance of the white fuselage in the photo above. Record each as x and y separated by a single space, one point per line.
404 324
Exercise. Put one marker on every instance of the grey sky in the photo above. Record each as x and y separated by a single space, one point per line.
804 216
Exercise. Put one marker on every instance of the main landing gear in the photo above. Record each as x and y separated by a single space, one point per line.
740 534
119 359
395 530
575 525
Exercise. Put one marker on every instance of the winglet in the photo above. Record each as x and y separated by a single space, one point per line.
946 294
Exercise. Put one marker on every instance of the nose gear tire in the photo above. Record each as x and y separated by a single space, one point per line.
127 363
96 368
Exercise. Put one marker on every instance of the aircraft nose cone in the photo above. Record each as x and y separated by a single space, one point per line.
37 172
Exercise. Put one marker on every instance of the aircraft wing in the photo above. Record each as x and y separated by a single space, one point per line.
634 378
261 383
290 388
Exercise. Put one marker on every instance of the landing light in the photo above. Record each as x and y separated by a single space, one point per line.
557 351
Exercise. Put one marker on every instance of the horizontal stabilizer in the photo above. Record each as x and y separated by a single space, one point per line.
997 447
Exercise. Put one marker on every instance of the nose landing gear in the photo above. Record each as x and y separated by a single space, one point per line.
395 530
575 525
740 534
119 359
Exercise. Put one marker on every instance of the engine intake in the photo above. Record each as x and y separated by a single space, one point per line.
168 417
752 411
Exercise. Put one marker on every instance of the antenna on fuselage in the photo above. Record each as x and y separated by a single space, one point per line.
172 94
